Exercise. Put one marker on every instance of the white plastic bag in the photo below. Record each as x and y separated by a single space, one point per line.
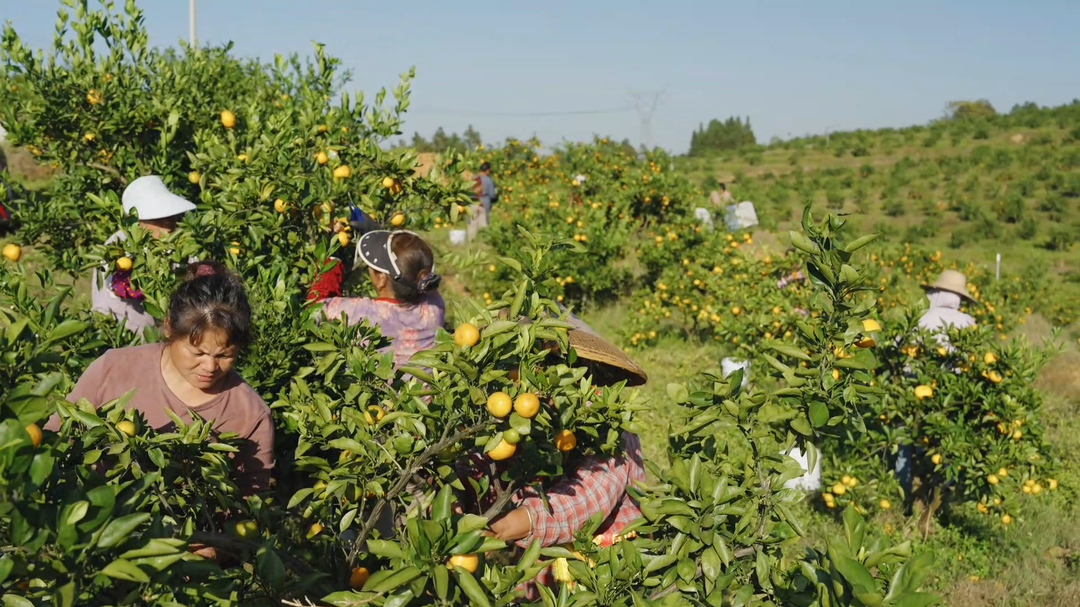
729 365
811 481
457 236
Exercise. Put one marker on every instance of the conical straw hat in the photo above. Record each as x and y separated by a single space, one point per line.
592 347
953 282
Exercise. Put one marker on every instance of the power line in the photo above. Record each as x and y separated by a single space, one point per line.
455 112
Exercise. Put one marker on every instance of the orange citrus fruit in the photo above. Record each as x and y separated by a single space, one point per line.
466 335
527 405
499 404
565 440
468 562
502 451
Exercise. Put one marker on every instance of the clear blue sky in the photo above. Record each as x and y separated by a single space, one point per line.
793 67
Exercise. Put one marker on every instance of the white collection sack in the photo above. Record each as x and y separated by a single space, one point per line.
811 481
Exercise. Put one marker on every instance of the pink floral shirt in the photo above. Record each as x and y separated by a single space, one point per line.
410 327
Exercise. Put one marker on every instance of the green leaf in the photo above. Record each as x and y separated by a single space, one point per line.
910 576
120 529
860 242
789 350
11 600
66 329
389 579
269 566
122 569
916 599
385 549
819 413
471 588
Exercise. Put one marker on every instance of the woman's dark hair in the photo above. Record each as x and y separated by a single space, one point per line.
486 166
416 262
211 297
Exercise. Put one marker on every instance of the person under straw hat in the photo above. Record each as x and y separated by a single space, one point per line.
158 211
945 296
592 485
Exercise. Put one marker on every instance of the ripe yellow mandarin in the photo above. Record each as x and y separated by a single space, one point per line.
846 480
1017 435
93 97
736 310
1052 484
994 376
936 458
885 504
836 373
242 157
990 358
527 405
852 482
280 205
992 479
502 451
869 324
466 334
358 577
314 529
865 342
388 182
123 264
374 414
468 562
228 119
499 404
343 238
126 427
1003 472
342 172
1005 519
923 391
397 220
565 440
35 436
194 177
322 158
12 252
235 248
839 489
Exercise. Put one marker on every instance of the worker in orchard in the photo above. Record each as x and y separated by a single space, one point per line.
945 296
159 211
596 484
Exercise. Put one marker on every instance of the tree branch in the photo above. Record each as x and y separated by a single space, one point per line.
107 169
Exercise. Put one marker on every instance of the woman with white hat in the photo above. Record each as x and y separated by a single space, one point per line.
158 210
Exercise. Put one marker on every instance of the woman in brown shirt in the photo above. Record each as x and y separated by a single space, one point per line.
209 322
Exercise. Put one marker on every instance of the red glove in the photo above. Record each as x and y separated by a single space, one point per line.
328 284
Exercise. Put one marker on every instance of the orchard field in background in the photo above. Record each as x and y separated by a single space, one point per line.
103 512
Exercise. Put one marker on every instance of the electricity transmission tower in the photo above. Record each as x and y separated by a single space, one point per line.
645 103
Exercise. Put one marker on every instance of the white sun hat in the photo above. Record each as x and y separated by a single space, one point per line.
149 197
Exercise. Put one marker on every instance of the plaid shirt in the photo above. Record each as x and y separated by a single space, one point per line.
598 485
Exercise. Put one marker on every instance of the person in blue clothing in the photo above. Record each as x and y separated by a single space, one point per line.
486 193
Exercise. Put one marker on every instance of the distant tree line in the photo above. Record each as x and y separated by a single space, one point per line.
731 134
441 142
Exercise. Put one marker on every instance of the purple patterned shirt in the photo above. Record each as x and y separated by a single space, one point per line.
410 327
